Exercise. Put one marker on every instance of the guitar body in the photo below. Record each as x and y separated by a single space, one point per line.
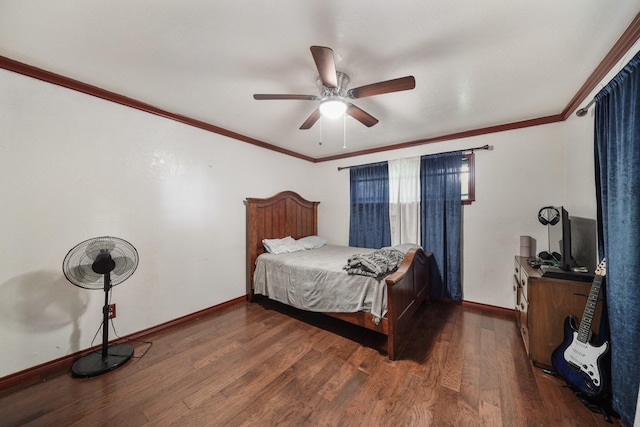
582 365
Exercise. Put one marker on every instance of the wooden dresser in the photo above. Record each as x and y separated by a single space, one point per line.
541 306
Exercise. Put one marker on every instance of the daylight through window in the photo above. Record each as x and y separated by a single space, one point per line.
467 179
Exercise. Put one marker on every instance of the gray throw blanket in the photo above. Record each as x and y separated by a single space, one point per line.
376 263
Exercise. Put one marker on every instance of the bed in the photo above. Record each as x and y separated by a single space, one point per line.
289 214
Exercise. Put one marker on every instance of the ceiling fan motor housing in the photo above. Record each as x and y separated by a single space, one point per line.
334 95
334 92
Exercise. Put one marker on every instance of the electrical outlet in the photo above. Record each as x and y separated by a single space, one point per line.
112 311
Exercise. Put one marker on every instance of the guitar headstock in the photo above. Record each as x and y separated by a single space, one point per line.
601 269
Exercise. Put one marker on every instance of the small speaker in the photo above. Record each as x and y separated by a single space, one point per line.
525 246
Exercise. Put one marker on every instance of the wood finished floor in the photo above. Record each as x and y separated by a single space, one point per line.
267 365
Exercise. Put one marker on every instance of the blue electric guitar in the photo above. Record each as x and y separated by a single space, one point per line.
582 364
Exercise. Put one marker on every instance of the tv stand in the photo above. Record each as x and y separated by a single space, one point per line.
554 272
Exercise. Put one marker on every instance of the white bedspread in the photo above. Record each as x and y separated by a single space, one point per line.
315 280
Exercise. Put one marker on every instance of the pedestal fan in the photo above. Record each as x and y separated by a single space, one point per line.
101 263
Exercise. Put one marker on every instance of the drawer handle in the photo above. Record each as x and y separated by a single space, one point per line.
516 269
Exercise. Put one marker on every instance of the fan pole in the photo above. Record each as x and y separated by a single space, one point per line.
83 266
105 316
111 356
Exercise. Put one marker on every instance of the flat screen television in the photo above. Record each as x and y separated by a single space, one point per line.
560 240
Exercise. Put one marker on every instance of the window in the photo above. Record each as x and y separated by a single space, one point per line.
467 179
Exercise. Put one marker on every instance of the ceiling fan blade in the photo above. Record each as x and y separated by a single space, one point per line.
323 56
360 115
395 85
311 120
266 96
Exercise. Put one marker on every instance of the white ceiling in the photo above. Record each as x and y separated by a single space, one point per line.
476 63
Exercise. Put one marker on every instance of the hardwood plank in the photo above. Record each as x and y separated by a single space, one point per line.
246 362
290 405
269 380
333 413
551 393
470 380
452 374
520 400
254 364
491 369
490 415
372 391
446 410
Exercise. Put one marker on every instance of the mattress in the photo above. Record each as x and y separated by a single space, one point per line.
315 280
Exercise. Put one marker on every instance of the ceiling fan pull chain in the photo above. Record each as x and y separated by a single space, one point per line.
334 91
344 131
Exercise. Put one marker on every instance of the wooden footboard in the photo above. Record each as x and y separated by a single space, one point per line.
407 289
288 214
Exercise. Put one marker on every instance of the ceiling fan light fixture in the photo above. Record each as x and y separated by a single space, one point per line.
333 108
334 97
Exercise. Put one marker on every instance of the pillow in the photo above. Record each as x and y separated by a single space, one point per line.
312 242
282 246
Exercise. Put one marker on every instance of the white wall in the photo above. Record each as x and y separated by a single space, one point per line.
75 167
521 174
579 162
528 169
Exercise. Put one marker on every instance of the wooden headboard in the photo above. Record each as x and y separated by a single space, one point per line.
285 214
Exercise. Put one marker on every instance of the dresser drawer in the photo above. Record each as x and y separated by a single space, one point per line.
523 322
516 292
524 284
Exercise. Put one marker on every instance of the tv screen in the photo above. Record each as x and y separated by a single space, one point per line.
583 242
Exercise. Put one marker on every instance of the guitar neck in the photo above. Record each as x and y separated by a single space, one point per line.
584 332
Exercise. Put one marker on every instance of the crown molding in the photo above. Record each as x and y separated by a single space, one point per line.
619 49
59 80
617 52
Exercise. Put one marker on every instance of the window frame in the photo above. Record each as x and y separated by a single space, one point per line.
469 158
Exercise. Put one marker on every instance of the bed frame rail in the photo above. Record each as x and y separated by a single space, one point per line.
288 214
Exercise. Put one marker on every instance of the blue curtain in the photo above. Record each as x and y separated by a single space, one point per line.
617 159
440 216
369 225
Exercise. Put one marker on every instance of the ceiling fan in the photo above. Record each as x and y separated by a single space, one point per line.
334 95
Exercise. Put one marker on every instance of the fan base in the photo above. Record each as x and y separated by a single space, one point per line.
93 364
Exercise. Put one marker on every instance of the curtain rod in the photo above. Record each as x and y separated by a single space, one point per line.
484 147
584 110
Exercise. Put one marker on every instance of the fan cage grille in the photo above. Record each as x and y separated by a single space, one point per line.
77 264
